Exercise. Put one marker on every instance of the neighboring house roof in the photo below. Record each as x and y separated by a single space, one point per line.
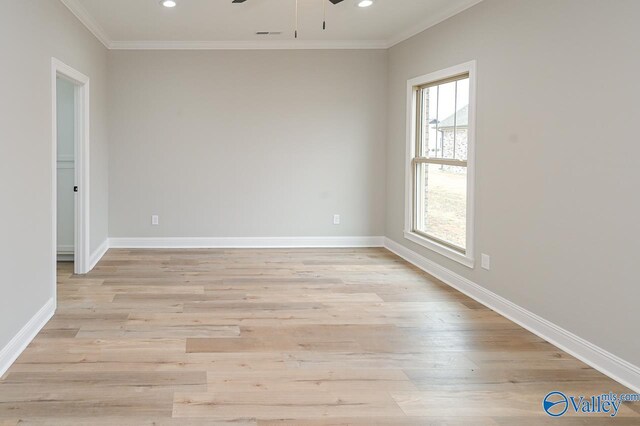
461 121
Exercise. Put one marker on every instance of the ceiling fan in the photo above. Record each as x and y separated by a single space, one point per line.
324 20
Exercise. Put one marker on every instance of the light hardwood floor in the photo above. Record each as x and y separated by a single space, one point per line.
283 337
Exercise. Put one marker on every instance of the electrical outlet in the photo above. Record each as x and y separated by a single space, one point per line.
486 261
336 219
155 219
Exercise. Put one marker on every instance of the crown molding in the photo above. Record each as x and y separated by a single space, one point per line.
431 21
92 25
248 45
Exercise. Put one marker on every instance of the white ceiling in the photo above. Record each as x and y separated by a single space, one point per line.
137 24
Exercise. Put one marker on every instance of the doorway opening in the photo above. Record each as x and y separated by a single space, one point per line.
70 177
66 178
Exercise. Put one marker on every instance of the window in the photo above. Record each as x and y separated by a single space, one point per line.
440 162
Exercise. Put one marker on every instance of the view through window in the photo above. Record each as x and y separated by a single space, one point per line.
440 162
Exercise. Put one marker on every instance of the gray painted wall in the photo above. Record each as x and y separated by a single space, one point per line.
31 32
247 143
557 178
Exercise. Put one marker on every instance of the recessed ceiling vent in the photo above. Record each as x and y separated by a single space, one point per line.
265 33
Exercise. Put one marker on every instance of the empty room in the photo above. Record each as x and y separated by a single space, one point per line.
319 212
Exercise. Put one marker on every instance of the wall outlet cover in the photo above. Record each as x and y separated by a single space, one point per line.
486 261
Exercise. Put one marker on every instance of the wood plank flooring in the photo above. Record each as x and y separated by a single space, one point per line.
282 337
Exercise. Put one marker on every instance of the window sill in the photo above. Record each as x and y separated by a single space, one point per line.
440 249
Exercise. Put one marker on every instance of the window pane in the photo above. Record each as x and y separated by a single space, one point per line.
461 121
442 199
446 109
429 119
445 120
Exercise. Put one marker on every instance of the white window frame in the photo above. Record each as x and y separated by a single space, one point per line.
468 257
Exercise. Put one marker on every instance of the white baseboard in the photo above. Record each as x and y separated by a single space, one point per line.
98 253
66 249
62 257
65 253
611 365
251 242
20 341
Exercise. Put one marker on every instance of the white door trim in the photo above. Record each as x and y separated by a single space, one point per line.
82 120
